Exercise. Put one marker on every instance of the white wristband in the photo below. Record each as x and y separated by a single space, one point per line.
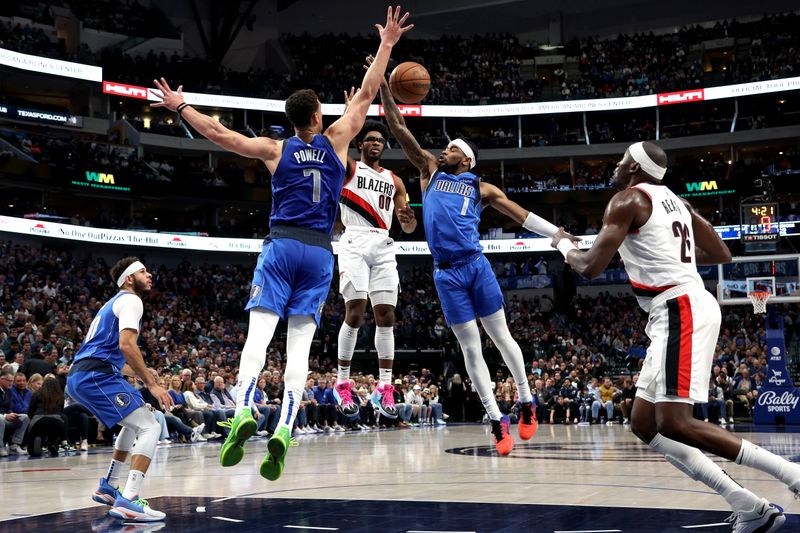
537 224
565 246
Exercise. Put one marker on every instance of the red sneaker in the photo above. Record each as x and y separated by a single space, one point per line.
527 423
503 440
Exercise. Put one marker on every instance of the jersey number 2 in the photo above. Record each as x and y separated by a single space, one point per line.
682 231
317 177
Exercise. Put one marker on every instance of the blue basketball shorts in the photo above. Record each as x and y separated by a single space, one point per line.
107 395
291 278
468 291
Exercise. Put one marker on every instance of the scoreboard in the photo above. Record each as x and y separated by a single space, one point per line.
759 226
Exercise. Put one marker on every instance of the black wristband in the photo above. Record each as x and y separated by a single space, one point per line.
180 108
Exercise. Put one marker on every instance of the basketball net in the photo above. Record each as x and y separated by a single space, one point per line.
759 301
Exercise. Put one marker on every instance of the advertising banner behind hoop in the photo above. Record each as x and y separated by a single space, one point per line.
681 97
45 65
122 89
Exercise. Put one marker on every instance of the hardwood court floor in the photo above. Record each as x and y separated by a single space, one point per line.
567 478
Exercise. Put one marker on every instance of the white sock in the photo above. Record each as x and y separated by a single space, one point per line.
299 335
254 355
697 466
112 477
496 327
384 345
469 338
347 344
134 484
760 459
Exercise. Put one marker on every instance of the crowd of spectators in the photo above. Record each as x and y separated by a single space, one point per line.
581 360
477 69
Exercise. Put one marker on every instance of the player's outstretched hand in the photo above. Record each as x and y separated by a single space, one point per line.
169 99
161 395
394 29
560 234
348 97
405 215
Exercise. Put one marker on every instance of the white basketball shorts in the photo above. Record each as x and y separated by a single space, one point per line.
367 265
683 330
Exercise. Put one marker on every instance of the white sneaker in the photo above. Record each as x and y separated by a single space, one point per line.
197 434
440 422
164 442
84 445
609 423
765 518
328 429
338 428
722 422
3 451
730 420
625 422
705 420
262 433
16 449
582 424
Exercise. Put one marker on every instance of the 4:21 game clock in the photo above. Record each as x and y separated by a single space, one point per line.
759 222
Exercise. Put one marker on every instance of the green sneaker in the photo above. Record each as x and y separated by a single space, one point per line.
277 446
242 426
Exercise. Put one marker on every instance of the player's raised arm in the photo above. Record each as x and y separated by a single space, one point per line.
405 215
709 249
341 132
422 159
496 198
617 220
254 147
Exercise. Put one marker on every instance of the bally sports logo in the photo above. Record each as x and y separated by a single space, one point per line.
681 97
785 403
519 246
40 229
121 89
176 241
405 110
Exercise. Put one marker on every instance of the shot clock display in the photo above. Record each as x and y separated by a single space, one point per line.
759 226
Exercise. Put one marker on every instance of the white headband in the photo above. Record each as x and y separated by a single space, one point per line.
133 268
648 165
464 147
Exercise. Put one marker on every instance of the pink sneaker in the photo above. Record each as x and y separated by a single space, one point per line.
343 392
383 400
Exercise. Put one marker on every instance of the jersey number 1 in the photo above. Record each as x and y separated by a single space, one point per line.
317 177
682 231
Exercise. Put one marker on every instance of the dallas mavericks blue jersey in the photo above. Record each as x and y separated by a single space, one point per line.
306 185
102 340
451 211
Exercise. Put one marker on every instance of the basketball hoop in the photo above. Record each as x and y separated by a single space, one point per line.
759 301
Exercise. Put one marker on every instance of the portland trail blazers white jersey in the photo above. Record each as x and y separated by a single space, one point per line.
367 198
660 254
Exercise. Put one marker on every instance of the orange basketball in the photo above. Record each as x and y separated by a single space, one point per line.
410 82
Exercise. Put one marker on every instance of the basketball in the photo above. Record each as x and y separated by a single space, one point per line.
410 82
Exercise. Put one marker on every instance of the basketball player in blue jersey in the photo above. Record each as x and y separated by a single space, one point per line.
452 197
97 381
293 273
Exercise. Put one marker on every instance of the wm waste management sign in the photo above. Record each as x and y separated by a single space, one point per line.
100 180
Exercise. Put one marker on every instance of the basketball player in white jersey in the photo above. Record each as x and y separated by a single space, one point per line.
367 264
661 239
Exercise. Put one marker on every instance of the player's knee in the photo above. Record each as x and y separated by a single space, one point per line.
644 430
384 315
670 428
